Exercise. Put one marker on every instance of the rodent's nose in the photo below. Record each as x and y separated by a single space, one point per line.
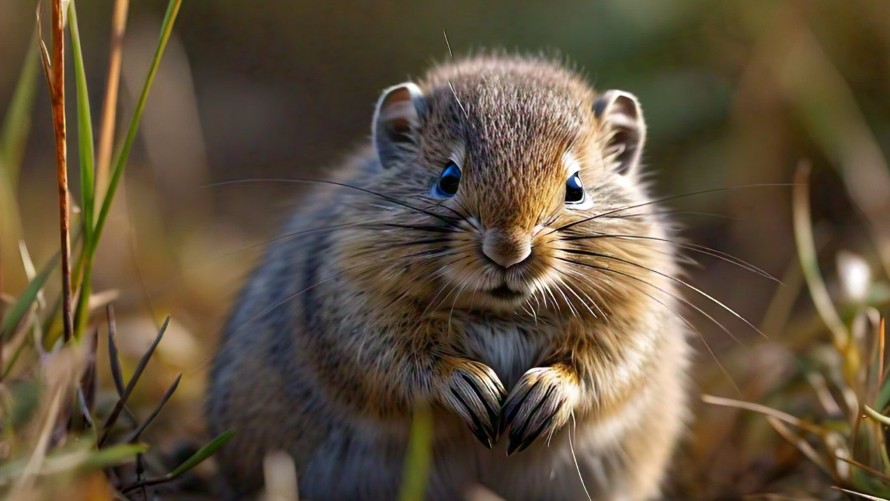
506 249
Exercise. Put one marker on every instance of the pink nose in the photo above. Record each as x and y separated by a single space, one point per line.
506 249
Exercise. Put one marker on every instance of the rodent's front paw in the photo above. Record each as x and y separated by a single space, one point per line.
539 404
473 391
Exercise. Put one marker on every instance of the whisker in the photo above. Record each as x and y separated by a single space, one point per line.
257 245
388 198
461 280
287 299
431 253
426 241
568 301
527 307
555 302
574 456
418 227
667 293
667 199
686 322
459 288
561 281
674 279
669 212
729 258
459 216
592 301
439 273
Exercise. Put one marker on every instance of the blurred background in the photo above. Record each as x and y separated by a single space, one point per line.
736 94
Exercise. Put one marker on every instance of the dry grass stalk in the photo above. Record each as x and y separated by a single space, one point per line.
109 107
54 70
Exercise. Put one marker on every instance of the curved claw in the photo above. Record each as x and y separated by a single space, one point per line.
475 393
539 404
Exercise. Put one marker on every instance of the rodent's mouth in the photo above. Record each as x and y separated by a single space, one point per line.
506 293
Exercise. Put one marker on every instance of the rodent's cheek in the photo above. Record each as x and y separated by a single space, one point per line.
465 265
541 269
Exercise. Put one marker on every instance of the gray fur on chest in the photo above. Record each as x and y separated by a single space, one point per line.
508 347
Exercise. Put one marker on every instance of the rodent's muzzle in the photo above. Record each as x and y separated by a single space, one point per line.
506 249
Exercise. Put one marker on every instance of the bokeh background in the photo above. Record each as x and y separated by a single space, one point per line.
736 94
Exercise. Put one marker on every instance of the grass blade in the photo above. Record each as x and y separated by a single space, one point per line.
122 401
113 456
124 152
13 137
26 299
84 124
54 71
17 123
806 249
884 420
419 456
73 459
195 459
109 107
151 417
860 494
113 356
87 168
203 453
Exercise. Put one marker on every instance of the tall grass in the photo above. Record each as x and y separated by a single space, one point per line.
54 437
842 389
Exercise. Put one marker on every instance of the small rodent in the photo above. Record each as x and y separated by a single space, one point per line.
495 255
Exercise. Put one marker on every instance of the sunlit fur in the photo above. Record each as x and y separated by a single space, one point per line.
338 336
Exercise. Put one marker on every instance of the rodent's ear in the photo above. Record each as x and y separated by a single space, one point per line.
626 131
395 120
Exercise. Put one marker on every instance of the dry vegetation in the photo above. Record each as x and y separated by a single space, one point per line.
99 408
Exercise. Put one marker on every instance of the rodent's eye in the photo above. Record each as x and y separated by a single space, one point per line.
574 190
449 180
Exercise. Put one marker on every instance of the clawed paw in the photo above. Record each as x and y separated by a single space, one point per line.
540 404
475 393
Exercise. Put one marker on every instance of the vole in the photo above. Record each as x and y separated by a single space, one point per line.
492 254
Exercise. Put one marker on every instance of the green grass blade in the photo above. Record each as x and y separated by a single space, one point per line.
112 456
201 454
23 303
124 152
84 126
419 456
197 458
13 137
72 457
17 123
86 150
883 396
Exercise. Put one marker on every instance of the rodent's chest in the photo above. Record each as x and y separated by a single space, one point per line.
507 347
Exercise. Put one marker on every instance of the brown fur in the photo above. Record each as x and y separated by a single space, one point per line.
342 331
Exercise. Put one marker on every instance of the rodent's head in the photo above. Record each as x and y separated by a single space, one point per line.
503 182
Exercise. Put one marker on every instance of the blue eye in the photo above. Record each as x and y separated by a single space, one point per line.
574 190
449 180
